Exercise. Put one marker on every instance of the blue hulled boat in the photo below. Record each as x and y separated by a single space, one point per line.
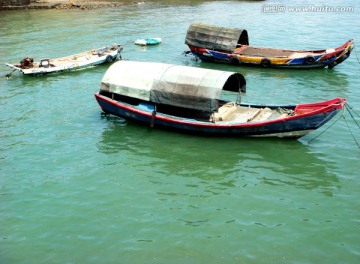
187 99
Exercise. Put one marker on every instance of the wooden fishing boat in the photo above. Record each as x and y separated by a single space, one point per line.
187 99
148 41
73 62
231 45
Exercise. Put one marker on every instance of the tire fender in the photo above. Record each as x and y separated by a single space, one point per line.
265 62
109 58
309 60
234 61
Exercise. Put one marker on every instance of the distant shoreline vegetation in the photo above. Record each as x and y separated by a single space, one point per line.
76 4
62 4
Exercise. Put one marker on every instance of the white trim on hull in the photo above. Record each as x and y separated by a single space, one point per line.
293 134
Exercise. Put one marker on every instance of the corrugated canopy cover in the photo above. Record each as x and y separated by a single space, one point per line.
182 86
216 38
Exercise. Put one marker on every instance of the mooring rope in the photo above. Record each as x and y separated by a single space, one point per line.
350 107
356 54
326 128
357 143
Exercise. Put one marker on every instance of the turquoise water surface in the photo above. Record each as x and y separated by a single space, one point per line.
77 187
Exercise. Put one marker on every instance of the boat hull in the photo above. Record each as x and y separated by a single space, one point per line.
74 62
290 127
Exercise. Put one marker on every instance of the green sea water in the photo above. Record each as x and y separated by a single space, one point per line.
77 187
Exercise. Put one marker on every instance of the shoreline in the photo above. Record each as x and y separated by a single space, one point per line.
73 4
68 4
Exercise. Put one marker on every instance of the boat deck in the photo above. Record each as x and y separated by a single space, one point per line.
240 114
71 59
263 52
246 115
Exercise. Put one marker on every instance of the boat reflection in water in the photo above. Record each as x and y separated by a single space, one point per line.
211 164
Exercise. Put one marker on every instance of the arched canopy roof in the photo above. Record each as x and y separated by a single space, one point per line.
182 86
216 38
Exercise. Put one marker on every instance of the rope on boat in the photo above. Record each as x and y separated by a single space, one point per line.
351 112
356 54
7 76
348 108
351 108
326 128
357 143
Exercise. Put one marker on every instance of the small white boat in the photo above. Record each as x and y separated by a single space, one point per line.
148 41
73 62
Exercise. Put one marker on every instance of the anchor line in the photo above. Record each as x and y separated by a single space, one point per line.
351 108
327 127
352 116
356 54
357 143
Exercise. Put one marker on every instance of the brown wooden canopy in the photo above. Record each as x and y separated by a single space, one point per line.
216 38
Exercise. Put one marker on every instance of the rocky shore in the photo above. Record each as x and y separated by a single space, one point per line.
66 4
